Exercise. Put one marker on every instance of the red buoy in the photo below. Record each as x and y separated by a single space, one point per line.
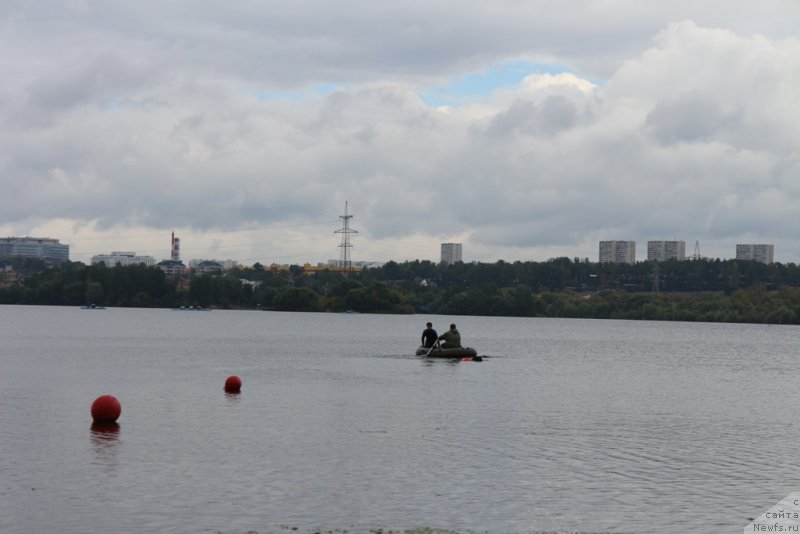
106 409
233 384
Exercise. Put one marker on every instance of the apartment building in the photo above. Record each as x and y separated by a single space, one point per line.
618 252
666 250
760 253
451 253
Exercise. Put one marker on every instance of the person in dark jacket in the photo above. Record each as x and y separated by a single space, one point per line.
429 336
451 338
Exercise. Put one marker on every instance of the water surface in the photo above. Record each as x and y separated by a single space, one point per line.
567 425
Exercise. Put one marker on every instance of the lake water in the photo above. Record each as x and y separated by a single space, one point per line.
567 425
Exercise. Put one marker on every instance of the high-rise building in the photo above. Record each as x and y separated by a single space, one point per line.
451 253
666 250
618 252
34 247
760 253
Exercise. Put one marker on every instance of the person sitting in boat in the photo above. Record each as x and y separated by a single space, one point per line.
429 336
451 338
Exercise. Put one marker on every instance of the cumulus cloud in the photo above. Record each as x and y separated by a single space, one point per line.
119 120
691 117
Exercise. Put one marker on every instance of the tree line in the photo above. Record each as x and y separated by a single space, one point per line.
696 290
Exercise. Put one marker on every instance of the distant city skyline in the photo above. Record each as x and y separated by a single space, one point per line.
612 251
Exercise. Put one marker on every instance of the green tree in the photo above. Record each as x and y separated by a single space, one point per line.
296 299
94 293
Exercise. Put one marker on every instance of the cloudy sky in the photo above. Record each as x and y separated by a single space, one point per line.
523 129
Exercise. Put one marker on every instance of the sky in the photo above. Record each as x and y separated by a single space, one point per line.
525 130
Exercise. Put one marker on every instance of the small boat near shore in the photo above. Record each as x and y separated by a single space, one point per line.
191 308
456 353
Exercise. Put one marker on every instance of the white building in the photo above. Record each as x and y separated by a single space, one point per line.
227 265
172 267
208 267
123 259
760 253
451 253
618 252
666 250
34 247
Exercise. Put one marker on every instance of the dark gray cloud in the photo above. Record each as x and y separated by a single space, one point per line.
692 117
555 114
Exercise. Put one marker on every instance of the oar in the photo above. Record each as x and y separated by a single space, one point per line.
432 347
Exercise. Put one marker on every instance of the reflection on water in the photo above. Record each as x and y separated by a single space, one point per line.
105 434
105 442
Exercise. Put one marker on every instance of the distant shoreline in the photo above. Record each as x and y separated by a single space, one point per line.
696 291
